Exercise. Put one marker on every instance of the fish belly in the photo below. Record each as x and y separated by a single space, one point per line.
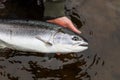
22 43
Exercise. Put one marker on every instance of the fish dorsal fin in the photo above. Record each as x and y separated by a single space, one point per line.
46 42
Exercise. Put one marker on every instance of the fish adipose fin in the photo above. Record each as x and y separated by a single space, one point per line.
46 42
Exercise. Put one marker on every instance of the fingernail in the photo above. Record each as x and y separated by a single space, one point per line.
79 32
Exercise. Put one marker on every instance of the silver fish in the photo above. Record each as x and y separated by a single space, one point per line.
37 36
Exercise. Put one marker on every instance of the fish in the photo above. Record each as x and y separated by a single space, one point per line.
39 36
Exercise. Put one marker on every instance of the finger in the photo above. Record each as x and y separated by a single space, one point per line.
59 22
73 28
65 23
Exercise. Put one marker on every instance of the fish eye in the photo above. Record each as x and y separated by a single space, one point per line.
75 38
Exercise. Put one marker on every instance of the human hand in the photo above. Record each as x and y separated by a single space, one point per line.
65 22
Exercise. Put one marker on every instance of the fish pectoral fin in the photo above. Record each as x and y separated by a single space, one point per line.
2 47
46 42
2 44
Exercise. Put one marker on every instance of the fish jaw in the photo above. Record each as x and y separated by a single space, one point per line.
82 46
68 48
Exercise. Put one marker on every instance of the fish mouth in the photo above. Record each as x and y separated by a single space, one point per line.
85 44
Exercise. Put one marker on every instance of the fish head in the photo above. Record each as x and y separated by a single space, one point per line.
69 43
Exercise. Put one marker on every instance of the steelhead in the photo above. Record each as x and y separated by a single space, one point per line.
37 36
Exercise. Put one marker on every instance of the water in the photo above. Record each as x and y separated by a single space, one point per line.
99 23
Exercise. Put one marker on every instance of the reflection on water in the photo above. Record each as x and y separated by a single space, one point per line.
32 67
99 23
40 67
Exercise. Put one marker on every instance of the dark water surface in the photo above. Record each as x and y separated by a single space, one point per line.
100 25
